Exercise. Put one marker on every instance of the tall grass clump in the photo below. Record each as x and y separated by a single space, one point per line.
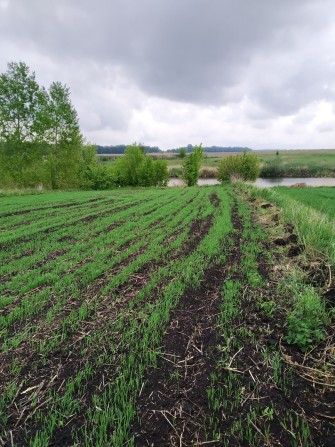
272 168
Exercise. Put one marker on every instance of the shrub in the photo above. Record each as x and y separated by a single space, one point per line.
243 167
135 168
101 176
182 152
161 173
191 166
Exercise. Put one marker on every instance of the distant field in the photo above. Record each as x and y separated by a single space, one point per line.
317 163
322 199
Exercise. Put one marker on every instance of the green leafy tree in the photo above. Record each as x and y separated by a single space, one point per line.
182 152
135 168
40 138
21 125
100 176
64 137
243 167
191 166
129 167
20 103
161 173
88 173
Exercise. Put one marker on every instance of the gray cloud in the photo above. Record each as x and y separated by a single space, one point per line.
114 55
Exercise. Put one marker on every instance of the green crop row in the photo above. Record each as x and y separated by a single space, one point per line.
163 244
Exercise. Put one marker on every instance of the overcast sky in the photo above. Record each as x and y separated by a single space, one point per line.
167 73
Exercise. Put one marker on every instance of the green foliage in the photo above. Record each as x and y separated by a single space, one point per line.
243 167
268 308
161 173
130 166
21 104
63 137
191 166
136 168
40 139
272 168
305 323
182 152
21 126
101 177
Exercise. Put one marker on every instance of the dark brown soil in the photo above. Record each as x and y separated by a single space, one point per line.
214 199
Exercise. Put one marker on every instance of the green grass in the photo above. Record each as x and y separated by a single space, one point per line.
298 164
321 199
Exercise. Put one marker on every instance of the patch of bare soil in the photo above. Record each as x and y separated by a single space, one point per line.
214 199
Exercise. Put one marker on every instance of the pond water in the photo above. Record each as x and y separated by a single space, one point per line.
265 183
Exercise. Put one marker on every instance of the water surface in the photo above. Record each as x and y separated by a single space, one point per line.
265 183
270 182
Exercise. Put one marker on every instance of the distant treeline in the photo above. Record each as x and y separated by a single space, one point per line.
190 148
120 149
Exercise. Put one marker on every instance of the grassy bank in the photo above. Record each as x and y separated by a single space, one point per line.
298 164
311 210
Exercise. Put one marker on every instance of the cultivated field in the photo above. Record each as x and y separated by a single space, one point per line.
153 317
